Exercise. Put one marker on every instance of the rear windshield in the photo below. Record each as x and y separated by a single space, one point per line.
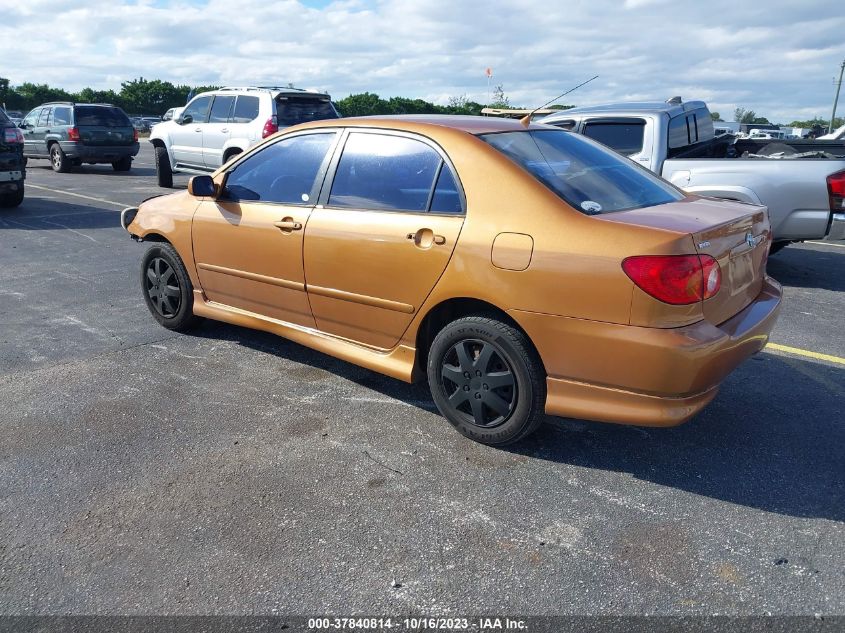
297 110
589 177
102 116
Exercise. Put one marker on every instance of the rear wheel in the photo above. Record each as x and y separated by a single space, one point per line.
487 380
58 159
124 164
12 199
167 288
164 174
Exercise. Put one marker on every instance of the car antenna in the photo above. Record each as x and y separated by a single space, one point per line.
526 120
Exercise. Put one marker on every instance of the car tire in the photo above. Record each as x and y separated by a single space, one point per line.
487 379
58 160
167 288
124 164
777 247
13 199
164 174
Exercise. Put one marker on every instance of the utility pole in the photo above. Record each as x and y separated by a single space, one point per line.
836 98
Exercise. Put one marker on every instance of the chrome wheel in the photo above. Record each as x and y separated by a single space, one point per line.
162 285
478 383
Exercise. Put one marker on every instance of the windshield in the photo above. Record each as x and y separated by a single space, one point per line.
298 110
589 177
102 116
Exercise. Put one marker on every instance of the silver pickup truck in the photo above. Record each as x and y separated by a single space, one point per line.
805 196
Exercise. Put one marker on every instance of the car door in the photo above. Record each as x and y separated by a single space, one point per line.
217 131
42 129
383 237
186 137
248 242
28 126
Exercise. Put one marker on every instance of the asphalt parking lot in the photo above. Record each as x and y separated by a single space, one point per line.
230 471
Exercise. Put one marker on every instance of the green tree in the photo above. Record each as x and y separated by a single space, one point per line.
715 116
403 105
500 99
363 104
741 115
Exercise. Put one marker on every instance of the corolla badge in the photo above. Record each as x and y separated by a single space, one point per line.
749 239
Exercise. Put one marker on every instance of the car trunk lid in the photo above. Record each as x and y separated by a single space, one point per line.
735 234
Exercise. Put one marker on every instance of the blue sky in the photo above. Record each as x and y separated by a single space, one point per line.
777 57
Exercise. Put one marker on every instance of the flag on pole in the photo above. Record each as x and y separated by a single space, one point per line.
489 73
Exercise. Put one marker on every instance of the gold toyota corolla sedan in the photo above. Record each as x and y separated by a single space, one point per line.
521 270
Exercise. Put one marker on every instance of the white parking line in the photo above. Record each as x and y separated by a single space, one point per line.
77 195
828 244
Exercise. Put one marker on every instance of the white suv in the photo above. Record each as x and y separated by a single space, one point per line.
217 125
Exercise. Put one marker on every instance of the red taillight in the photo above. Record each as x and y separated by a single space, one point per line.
836 189
135 135
270 127
12 135
72 134
675 279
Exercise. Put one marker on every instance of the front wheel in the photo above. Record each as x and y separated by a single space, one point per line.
164 174
487 380
167 288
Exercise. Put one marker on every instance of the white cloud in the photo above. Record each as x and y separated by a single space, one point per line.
728 53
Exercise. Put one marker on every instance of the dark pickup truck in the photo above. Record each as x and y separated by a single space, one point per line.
12 170
70 134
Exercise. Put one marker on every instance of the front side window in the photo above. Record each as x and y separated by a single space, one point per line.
284 172
378 171
246 109
626 137
589 177
31 118
197 110
220 109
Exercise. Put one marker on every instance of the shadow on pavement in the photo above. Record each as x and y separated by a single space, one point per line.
773 438
809 268
51 215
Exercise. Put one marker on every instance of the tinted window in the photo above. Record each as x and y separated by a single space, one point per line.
626 137
197 109
297 110
246 109
45 116
220 109
61 115
446 198
588 176
284 172
101 116
568 124
377 171
678 132
704 124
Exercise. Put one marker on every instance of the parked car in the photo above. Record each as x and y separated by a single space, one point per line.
522 270
140 124
220 124
70 134
676 140
12 166
172 113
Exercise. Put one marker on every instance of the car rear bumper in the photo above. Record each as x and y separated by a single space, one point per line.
11 181
98 153
645 376
837 227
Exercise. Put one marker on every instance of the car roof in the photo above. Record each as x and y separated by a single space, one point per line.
640 107
419 122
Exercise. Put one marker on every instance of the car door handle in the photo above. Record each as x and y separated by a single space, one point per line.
224 130
197 129
288 225
424 238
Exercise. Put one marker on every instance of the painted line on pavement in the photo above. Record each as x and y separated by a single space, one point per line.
827 244
804 352
78 195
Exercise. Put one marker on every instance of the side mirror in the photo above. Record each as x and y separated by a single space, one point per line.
185 119
23 126
202 187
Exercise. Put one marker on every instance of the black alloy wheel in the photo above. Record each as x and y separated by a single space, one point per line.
163 288
478 383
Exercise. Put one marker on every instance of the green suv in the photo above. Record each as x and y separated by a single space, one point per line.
70 134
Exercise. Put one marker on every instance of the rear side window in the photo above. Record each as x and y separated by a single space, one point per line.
377 171
284 172
61 115
446 198
220 109
589 177
690 128
290 111
246 109
624 136
101 116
